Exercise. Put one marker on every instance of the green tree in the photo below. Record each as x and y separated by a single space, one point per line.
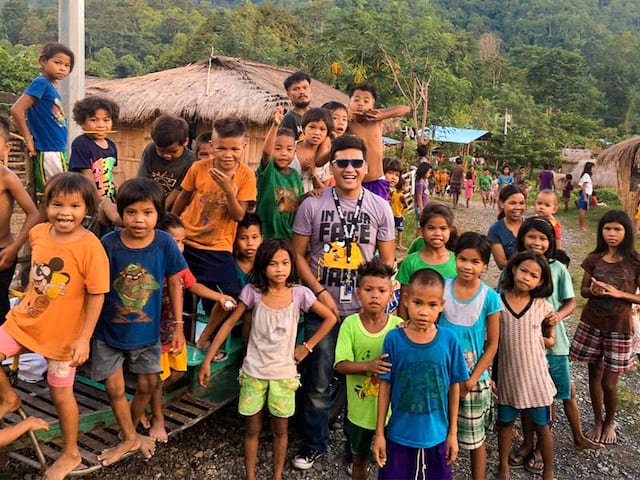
14 18
18 69
102 64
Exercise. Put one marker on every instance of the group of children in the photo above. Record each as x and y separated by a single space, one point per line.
433 363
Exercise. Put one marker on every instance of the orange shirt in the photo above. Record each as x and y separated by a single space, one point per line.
206 219
50 316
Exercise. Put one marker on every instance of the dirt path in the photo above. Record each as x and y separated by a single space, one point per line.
213 449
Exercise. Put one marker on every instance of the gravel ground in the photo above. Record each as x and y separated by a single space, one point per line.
213 448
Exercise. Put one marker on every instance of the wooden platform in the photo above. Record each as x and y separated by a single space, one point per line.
98 429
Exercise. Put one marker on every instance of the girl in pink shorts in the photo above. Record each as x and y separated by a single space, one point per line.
56 317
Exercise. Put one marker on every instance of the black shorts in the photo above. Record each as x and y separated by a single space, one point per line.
6 276
454 188
215 270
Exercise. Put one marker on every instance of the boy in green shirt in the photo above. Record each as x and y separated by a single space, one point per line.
359 357
279 186
485 186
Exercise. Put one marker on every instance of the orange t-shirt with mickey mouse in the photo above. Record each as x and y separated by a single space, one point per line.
51 315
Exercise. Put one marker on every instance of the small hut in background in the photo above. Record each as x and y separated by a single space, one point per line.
200 93
623 159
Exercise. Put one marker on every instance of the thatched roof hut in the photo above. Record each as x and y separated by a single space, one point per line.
200 93
624 159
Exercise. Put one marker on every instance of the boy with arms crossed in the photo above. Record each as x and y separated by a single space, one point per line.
423 387
365 121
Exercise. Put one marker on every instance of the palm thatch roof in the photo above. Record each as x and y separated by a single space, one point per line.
623 160
229 87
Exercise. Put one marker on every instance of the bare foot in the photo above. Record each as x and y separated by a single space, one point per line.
63 467
157 432
594 433
112 455
608 436
144 421
583 443
503 475
10 403
516 436
147 446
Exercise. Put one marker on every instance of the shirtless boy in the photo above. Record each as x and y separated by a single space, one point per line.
11 190
365 121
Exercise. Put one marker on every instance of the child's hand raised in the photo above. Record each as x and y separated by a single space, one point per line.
379 366
373 115
224 181
278 115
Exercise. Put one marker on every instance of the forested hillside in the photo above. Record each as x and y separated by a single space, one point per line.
567 71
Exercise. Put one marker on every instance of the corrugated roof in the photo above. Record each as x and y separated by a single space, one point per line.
438 133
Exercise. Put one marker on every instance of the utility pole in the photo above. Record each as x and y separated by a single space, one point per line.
71 34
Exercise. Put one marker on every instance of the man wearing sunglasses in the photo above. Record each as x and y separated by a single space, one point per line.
341 228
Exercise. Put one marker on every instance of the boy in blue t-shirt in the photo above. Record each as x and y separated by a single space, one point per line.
423 387
129 326
359 357
472 313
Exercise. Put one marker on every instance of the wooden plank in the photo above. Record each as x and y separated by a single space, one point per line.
37 406
178 417
91 443
94 393
108 438
188 407
89 402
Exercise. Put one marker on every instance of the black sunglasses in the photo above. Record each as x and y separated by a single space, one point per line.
345 162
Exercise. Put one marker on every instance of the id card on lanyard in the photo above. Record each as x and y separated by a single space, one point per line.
348 232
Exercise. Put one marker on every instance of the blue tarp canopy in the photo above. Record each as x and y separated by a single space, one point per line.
389 142
437 133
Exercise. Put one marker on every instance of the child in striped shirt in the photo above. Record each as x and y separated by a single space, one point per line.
524 383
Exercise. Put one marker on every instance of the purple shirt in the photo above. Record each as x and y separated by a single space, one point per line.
546 179
318 219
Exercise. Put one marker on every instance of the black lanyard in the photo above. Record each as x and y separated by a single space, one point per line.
348 231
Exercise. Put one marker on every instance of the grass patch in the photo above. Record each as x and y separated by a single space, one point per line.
628 400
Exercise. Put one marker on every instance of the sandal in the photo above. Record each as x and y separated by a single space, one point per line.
518 458
220 356
535 464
